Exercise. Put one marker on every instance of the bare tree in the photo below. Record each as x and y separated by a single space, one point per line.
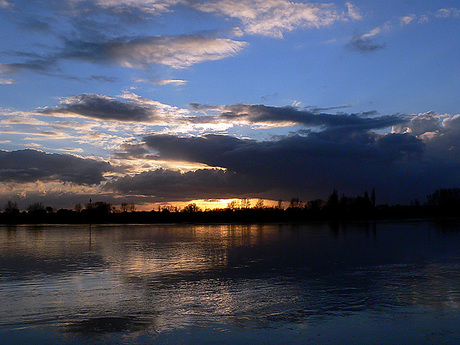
78 207
11 207
36 207
259 204
232 205
280 205
245 203
191 208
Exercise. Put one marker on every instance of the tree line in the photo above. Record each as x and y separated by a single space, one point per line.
441 203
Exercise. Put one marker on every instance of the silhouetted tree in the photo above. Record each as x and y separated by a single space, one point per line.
36 208
295 203
102 207
167 209
127 207
259 204
191 208
366 198
444 197
373 197
315 205
232 206
280 205
98 208
11 207
245 203
78 207
333 201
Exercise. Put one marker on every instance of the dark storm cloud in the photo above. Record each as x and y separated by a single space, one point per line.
104 108
173 185
31 166
364 45
255 157
399 165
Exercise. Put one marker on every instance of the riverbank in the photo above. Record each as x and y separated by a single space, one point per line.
267 215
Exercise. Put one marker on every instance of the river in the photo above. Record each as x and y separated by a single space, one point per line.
319 283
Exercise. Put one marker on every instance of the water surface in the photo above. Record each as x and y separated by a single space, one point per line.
381 283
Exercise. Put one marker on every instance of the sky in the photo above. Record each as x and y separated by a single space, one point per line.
172 101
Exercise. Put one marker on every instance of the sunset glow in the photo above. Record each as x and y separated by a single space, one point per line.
175 102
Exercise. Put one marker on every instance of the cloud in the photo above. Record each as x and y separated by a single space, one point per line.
258 17
31 165
275 17
132 151
6 69
37 25
132 52
177 82
5 5
130 107
440 133
104 108
4 81
120 7
448 12
262 114
141 52
167 185
364 45
353 11
400 165
407 19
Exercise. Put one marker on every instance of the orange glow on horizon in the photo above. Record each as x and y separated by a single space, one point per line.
206 204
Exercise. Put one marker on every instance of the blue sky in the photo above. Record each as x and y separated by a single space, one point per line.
338 95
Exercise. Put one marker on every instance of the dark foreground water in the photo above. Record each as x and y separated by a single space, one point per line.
383 283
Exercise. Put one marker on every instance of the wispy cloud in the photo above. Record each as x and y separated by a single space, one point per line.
407 19
141 52
176 82
275 17
135 52
366 43
4 4
7 81
120 7
448 12
258 17
353 11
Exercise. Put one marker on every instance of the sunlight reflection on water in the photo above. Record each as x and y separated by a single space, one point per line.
383 282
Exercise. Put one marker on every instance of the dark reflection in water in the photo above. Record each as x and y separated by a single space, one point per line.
108 324
321 283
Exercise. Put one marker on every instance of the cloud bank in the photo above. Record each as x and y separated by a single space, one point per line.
420 155
30 166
